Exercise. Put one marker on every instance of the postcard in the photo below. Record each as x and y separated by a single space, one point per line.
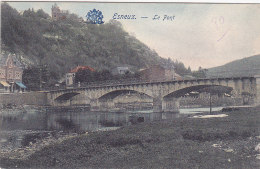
129 85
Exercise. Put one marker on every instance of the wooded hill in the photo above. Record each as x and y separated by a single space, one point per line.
249 66
61 45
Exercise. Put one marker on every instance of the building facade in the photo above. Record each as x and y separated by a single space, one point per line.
120 70
158 73
70 76
11 72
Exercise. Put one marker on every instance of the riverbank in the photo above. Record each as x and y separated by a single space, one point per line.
221 142
34 141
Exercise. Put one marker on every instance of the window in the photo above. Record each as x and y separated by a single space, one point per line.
2 73
17 75
10 64
10 74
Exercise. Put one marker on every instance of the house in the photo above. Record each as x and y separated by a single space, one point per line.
120 70
177 76
11 71
70 76
158 73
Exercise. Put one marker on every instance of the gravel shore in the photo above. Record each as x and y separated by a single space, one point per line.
40 140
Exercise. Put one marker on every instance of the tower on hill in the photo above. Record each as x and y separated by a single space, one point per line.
57 13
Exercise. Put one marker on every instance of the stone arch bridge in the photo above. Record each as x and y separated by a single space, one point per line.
163 93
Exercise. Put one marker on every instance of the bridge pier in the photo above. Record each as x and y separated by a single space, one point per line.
157 104
167 105
94 104
171 105
257 100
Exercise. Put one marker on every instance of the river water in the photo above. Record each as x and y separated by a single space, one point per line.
19 128
198 110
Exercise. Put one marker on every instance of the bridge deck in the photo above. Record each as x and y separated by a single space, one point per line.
140 82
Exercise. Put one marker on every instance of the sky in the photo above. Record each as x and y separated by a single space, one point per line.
205 35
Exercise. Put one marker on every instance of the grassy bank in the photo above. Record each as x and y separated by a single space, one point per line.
227 142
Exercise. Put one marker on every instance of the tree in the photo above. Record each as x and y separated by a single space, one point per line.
41 14
105 75
180 68
72 17
36 78
189 69
84 76
201 73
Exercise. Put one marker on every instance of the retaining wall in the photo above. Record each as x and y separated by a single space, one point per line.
30 98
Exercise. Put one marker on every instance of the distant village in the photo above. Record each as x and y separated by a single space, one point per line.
11 79
11 72
153 73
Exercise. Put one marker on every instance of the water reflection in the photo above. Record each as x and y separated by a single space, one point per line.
91 121
38 120
18 129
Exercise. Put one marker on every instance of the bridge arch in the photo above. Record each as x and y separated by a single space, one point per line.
66 96
113 94
171 101
72 98
181 92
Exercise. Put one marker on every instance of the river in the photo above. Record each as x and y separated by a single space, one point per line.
21 128
198 110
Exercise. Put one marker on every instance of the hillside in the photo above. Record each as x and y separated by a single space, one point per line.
61 45
249 66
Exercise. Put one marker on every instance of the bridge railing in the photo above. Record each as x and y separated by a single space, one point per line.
128 81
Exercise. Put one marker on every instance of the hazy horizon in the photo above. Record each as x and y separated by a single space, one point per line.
206 35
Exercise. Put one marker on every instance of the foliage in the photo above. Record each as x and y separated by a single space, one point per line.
180 68
201 73
35 77
66 43
85 76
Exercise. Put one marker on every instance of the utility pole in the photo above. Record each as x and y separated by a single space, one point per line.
210 103
40 77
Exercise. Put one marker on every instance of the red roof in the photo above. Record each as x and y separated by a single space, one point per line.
76 69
